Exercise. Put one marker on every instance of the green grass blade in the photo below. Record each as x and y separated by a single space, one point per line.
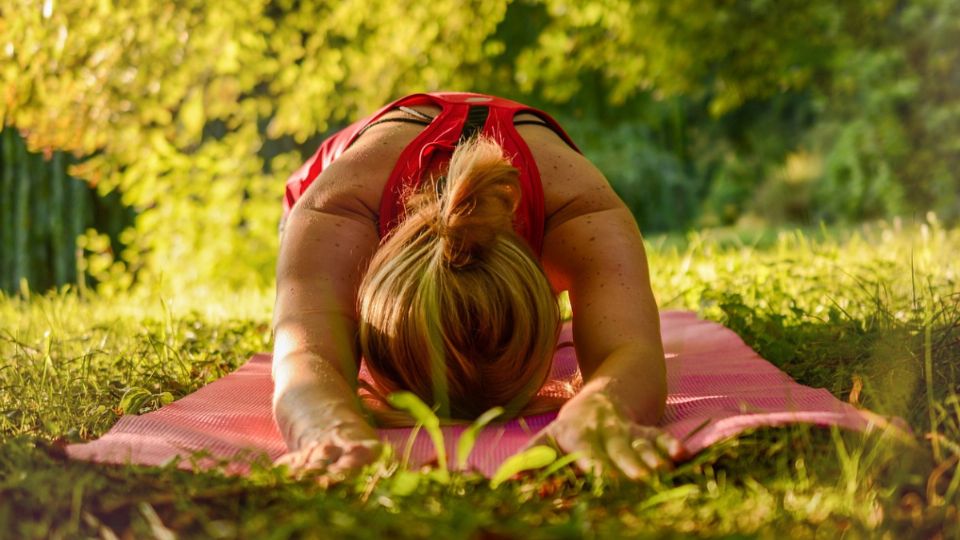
928 379
678 493
560 463
532 458
469 437
404 483
409 402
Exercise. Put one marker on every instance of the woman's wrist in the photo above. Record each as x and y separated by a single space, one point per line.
588 401
318 429
633 376
306 416
633 404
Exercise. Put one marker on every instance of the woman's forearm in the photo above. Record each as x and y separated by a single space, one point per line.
633 376
311 397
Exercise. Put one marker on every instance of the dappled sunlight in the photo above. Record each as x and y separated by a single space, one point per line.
813 272
792 167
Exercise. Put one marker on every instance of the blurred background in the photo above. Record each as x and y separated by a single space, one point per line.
147 142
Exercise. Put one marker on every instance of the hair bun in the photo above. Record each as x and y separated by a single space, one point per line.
478 202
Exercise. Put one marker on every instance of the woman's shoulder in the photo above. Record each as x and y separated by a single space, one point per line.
572 185
357 177
355 181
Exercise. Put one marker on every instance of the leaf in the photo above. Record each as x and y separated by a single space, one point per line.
409 402
440 476
560 463
535 457
469 437
133 400
677 493
404 483
192 116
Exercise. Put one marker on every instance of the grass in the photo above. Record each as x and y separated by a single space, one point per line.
870 313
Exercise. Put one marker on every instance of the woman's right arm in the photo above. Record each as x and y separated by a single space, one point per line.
327 241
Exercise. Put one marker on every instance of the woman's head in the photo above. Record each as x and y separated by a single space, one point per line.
454 307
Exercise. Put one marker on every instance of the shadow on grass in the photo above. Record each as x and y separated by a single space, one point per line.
894 364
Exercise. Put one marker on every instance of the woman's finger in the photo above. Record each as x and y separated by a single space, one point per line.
671 446
649 455
357 456
663 441
645 432
320 456
588 464
315 457
290 459
353 433
618 449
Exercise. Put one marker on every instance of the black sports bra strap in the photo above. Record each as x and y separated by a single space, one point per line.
532 122
476 118
539 123
385 120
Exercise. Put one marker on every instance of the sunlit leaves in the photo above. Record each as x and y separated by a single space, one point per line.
732 51
186 106
174 102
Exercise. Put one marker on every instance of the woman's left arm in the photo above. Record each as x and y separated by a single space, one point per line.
597 255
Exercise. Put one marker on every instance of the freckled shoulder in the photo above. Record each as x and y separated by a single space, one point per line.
572 185
355 181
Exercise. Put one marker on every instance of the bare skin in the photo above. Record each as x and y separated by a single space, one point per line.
592 247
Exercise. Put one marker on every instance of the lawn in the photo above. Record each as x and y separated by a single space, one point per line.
871 313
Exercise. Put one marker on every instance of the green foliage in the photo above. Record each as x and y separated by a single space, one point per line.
654 182
409 402
196 111
47 217
185 108
469 436
535 457
730 51
892 136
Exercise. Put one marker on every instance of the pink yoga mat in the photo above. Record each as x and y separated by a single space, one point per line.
716 383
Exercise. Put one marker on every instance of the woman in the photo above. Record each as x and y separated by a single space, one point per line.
442 273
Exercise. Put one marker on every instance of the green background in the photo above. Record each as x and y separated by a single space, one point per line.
184 118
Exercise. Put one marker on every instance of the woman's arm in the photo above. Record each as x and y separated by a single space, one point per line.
597 254
328 239
616 326
594 250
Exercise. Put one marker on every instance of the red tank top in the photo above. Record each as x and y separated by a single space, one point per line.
461 113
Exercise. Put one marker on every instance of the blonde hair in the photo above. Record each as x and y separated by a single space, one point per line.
454 306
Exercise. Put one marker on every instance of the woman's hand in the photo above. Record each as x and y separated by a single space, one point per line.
344 446
593 426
